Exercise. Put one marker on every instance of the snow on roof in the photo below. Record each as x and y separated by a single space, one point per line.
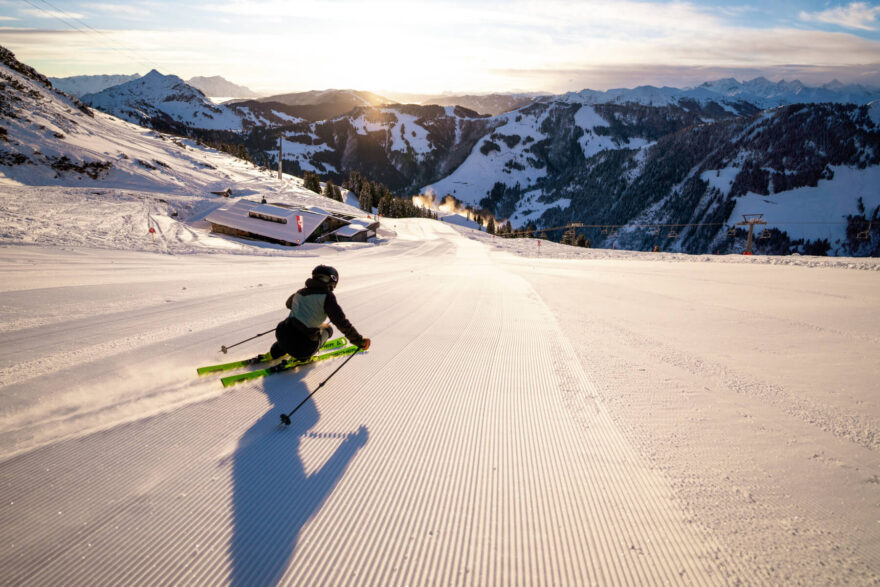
275 222
351 229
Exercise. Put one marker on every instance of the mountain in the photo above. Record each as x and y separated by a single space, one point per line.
402 146
167 103
325 104
492 104
408 147
72 175
317 97
216 86
622 165
729 94
50 138
767 94
811 169
164 102
80 85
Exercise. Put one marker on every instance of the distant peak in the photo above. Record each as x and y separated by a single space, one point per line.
724 80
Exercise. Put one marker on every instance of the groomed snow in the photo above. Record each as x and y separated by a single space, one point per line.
527 413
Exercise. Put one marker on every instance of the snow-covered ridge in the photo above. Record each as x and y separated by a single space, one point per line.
168 103
73 176
80 85
353 98
759 92
158 96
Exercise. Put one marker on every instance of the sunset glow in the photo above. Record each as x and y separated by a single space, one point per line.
553 46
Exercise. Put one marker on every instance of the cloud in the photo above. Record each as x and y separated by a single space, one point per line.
419 46
40 13
856 15
550 15
7 18
126 11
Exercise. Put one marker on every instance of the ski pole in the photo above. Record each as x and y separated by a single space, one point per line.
285 418
225 348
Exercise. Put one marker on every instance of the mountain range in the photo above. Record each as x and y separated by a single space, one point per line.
729 93
321 105
80 85
214 86
490 103
649 167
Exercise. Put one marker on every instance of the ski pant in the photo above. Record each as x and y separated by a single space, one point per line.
294 339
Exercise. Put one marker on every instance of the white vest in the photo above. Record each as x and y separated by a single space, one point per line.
309 309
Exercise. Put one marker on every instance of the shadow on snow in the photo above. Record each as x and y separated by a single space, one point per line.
273 497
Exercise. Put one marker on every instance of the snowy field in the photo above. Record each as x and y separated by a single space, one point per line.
525 415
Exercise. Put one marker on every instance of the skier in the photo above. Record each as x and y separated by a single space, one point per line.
304 331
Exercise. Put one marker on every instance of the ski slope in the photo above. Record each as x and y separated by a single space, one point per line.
524 416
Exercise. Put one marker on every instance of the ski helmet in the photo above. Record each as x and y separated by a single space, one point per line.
326 274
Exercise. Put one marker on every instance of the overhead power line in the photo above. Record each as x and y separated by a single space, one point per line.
681 225
109 42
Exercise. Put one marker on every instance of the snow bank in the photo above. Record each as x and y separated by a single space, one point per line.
543 249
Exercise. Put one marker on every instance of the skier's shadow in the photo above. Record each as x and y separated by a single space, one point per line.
273 497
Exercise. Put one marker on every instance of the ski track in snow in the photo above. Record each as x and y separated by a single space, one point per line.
777 456
499 430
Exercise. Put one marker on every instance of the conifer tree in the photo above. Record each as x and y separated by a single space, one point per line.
354 182
331 191
490 227
365 200
312 182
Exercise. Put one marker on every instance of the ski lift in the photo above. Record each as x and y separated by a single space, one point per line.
655 232
613 232
604 230
731 232
673 234
765 234
865 235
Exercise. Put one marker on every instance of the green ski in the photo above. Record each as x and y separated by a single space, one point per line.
286 366
329 345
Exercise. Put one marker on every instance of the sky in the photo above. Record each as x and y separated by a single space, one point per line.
474 46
